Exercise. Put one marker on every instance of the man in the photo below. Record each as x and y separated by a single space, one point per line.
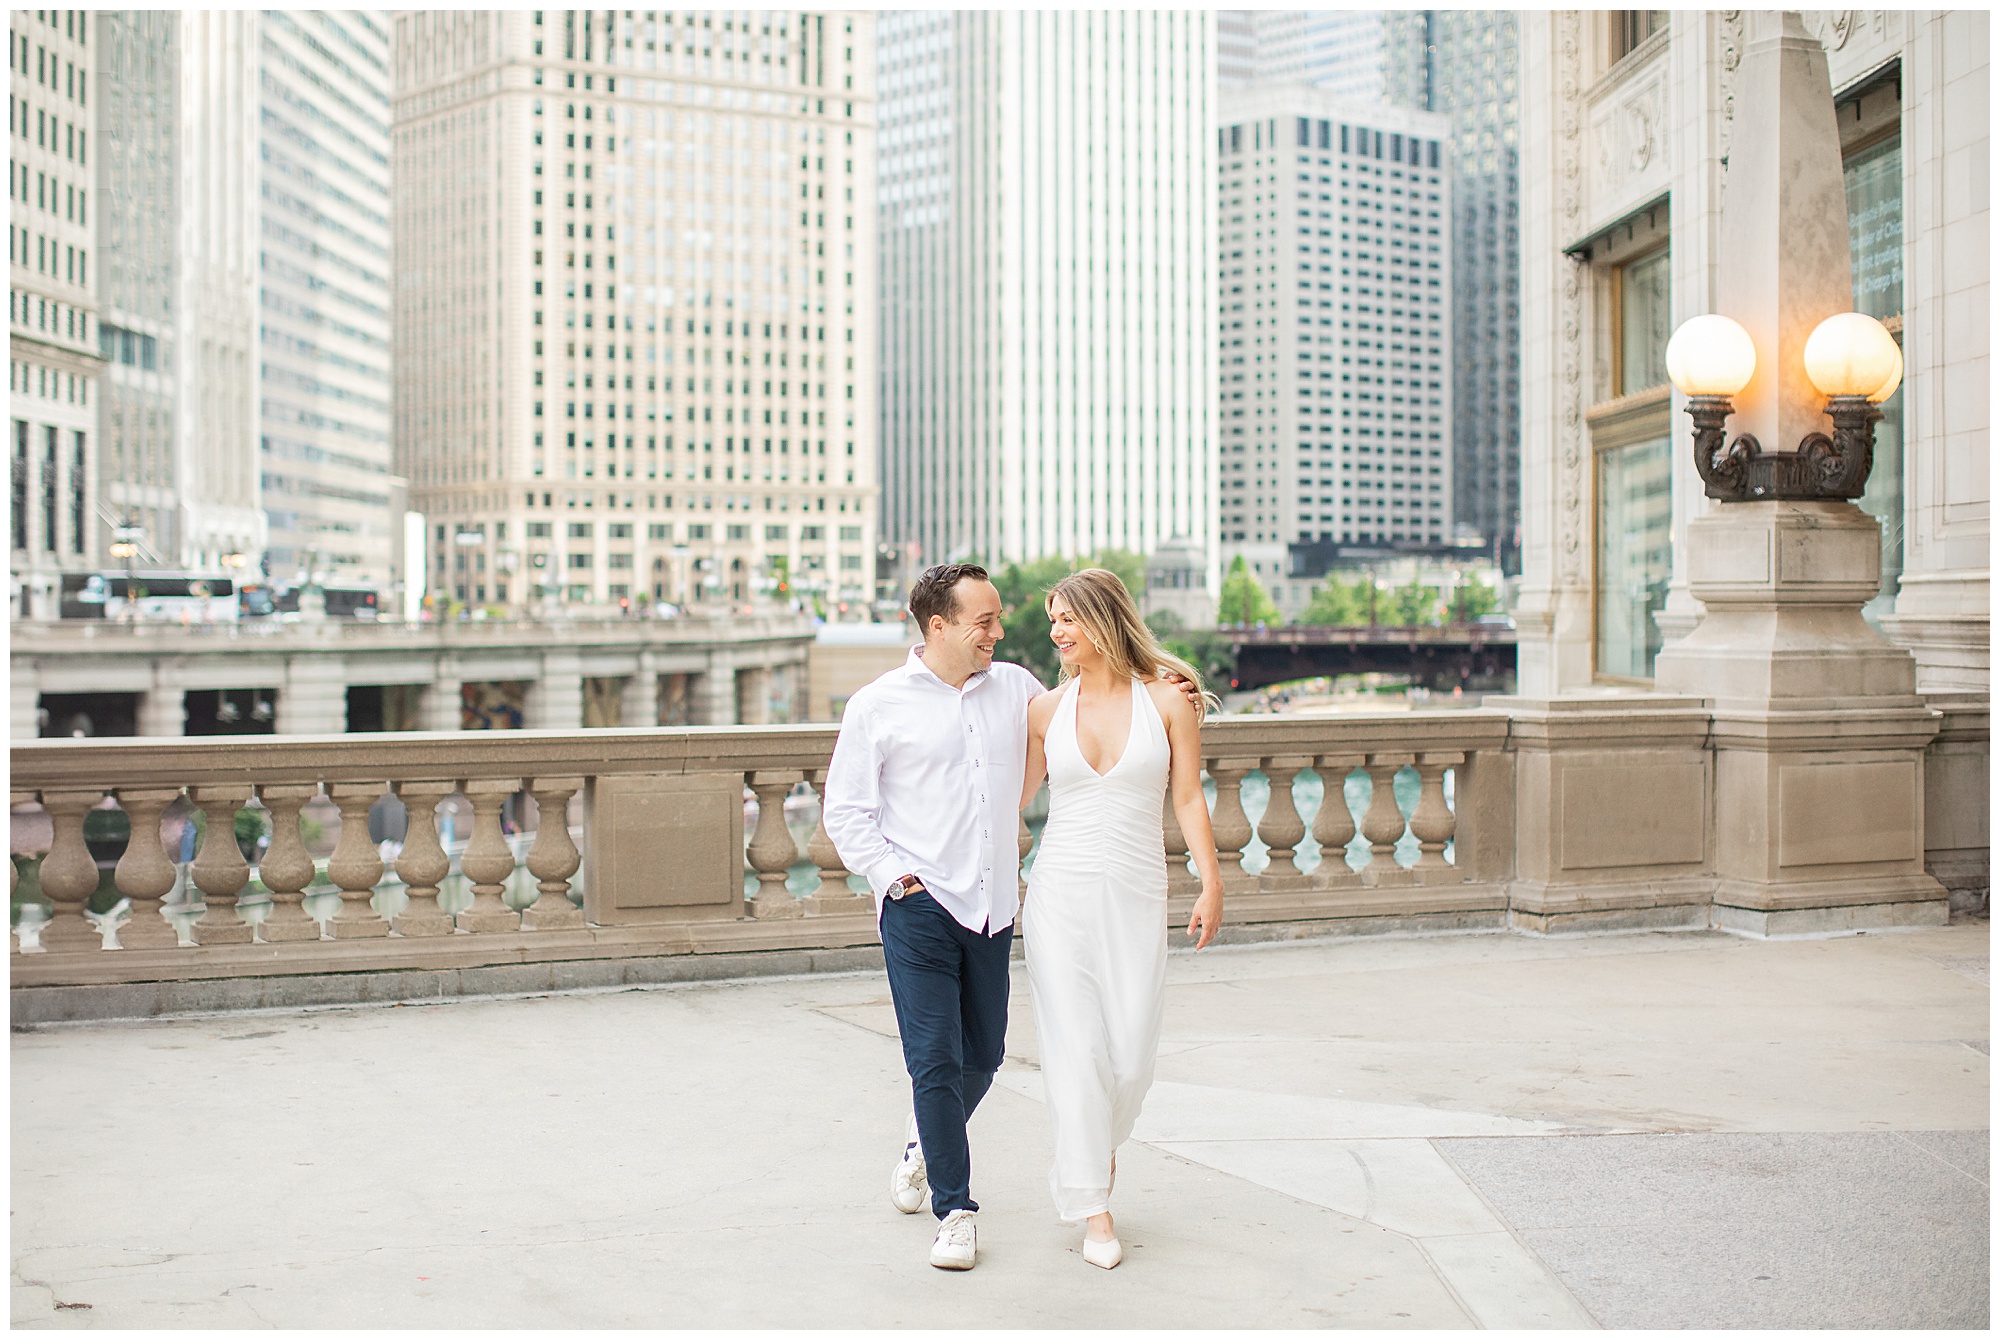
923 798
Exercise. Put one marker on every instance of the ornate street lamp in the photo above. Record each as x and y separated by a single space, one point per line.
1850 359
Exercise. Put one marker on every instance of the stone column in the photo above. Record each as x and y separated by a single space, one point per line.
24 694
313 698
1817 730
163 707
639 700
753 695
712 694
555 701
441 706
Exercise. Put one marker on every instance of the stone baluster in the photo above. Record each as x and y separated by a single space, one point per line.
16 800
1281 827
833 896
1180 881
554 857
220 871
488 862
1333 825
145 873
772 850
287 868
1433 824
423 865
1231 824
69 875
356 865
1383 823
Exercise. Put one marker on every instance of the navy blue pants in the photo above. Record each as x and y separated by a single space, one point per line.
950 989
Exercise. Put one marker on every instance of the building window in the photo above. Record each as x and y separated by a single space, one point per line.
1875 246
51 466
78 475
20 512
1643 323
1634 554
1633 27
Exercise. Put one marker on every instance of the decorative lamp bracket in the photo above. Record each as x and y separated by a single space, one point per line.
1823 467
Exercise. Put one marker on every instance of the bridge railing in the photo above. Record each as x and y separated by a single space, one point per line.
673 841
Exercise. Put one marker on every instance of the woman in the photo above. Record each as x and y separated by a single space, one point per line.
1111 737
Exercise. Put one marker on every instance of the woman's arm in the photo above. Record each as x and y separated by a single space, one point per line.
1191 807
1040 711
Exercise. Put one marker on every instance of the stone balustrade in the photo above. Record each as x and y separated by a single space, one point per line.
1537 815
664 853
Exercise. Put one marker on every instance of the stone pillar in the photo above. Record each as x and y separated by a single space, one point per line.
639 700
753 696
555 700
441 707
163 708
1818 734
313 699
712 695
24 694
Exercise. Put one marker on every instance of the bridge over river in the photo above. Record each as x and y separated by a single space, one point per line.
1460 655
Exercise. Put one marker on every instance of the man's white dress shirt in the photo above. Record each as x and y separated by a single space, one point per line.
926 780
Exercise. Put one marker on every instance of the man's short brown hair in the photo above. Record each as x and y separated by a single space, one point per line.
936 592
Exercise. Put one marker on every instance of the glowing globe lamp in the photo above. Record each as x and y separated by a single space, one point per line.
1711 356
1852 355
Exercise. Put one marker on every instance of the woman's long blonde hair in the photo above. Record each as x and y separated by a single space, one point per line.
1104 609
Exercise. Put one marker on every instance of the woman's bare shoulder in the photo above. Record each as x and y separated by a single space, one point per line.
1042 707
1173 704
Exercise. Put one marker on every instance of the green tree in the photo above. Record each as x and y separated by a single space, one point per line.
1340 604
1412 605
1207 650
1473 599
1244 599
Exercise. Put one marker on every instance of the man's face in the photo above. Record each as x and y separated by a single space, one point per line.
968 638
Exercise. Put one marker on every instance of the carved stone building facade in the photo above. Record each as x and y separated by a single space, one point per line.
1626 122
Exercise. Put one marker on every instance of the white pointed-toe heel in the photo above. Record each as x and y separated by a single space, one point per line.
1103 1255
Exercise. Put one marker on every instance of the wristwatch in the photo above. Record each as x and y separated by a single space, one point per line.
907 885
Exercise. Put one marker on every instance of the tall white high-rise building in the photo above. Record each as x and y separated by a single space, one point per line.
635 318
332 504
1334 331
1339 50
1048 295
53 365
177 234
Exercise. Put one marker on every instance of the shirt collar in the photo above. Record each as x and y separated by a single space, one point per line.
915 668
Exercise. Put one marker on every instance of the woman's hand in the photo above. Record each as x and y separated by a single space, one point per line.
1189 689
1207 915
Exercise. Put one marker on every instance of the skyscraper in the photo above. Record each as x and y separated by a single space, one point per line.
1334 331
176 221
53 366
1339 50
1047 253
1463 64
635 331
323 295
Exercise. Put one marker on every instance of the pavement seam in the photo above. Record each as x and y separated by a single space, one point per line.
1904 1136
1438 1144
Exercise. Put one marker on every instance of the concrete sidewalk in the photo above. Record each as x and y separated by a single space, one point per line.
1634 1131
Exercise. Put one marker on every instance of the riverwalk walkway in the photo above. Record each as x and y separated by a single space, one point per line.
1647 1130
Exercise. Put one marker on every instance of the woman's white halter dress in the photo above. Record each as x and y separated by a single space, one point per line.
1095 925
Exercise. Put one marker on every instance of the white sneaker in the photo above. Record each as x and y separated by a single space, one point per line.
909 1183
957 1242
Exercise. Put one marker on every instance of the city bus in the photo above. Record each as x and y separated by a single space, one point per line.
175 597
